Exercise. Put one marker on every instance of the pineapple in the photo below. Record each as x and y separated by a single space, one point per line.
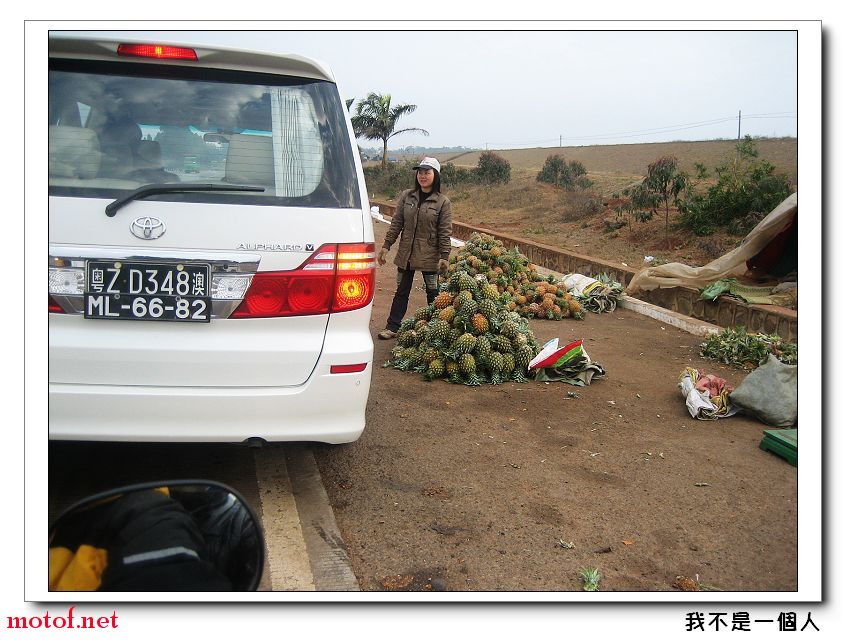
415 360
575 307
488 308
490 291
447 314
468 308
518 340
436 369
466 282
424 313
439 330
466 364
508 329
508 364
501 343
464 344
480 323
460 298
496 361
483 349
443 300
523 356
404 361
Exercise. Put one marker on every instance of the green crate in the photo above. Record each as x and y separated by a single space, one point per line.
783 443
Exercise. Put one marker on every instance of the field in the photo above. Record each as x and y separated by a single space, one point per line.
584 221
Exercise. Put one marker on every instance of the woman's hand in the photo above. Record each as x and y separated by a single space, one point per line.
443 264
381 258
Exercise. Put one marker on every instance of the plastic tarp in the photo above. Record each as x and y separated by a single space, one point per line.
732 264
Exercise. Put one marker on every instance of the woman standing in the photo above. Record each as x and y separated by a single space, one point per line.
424 218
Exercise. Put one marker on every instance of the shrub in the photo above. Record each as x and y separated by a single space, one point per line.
492 169
391 180
746 191
452 176
557 171
582 205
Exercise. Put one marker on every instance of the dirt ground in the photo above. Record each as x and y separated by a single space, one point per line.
519 486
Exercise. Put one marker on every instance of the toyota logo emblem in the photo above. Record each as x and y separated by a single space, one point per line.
147 227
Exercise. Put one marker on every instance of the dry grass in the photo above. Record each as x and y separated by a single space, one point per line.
632 160
583 221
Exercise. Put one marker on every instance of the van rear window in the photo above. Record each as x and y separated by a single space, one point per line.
117 126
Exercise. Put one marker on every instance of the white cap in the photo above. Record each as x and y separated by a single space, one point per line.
429 162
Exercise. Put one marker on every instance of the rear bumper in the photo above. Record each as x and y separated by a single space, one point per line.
327 408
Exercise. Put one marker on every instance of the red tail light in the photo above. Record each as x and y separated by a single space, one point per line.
336 278
164 52
356 276
348 368
52 306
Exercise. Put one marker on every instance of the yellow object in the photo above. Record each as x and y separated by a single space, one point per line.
80 571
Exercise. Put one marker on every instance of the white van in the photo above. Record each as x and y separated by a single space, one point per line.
211 250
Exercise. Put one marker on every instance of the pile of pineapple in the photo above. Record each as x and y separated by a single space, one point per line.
521 288
466 335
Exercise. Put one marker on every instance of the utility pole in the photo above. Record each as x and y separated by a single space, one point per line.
736 151
559 140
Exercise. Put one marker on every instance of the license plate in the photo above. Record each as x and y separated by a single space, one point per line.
148 291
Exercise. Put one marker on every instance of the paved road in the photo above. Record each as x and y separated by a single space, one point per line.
304 552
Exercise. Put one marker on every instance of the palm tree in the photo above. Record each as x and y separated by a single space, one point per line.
375 119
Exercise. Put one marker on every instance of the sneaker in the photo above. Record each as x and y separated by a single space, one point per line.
387 334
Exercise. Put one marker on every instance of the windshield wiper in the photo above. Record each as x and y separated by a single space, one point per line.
164 188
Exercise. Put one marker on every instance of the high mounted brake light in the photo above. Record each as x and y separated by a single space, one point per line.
338 277
164 52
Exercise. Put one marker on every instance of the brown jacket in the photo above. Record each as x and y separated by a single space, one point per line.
425 231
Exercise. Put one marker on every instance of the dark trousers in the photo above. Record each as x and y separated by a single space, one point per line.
405 278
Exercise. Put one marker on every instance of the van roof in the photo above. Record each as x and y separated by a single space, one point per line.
212 56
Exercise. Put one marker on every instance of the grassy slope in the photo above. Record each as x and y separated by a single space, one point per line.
633 159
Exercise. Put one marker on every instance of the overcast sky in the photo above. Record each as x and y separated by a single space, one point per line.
506 89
